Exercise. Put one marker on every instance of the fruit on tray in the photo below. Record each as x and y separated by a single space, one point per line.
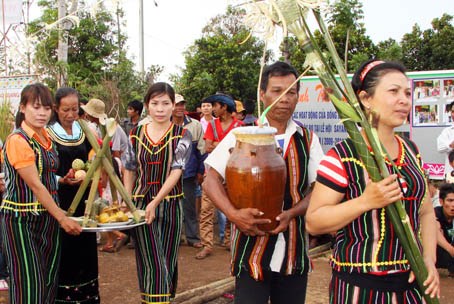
112 214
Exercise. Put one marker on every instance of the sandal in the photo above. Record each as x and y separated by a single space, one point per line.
195 245
204 253
121 241
107 248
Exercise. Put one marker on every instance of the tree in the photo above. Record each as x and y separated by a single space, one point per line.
414 50
442 43
223 59
293 53
389 50
97 64
348 33
431 49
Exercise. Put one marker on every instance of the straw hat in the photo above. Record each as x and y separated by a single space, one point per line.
239 106
96 108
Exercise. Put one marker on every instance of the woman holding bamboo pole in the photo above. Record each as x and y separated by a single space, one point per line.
78 279
29 213
160 150
369 263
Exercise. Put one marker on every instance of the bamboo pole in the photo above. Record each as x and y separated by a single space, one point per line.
116 182
291 15
113 188
206 293
95 164
398 215
91 195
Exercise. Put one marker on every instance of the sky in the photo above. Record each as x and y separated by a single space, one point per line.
172 26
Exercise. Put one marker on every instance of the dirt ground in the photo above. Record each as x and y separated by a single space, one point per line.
118 281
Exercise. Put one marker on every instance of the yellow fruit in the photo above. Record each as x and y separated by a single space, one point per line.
103 218
121 216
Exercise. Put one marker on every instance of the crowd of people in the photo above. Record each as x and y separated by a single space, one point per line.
173 165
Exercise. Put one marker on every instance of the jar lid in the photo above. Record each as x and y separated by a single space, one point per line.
255 130
255 135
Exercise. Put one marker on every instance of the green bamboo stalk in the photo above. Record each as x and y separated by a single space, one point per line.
291 16
113 188
116 182
398 215
329 81
95 164
91 195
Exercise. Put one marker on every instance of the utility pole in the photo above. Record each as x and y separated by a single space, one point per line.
141 42
63 27
27 21
4 33
62 51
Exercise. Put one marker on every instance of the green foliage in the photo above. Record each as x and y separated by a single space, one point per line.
223 59
389 50
97 64
348 33
431 49
293 53
7 119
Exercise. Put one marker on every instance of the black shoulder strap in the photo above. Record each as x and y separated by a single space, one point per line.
215 133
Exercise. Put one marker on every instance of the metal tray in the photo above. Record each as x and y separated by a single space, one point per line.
111 226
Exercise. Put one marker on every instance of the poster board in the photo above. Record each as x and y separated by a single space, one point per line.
432 93
11 87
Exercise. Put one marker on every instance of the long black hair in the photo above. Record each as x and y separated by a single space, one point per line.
34 93
368 75
157 89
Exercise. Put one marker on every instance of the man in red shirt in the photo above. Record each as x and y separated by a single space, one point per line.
223 107
218 128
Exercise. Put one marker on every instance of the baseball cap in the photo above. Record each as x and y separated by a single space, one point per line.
222 99
179 98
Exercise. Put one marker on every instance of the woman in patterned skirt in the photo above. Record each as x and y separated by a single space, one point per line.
78 273
29 214
159 153
369 263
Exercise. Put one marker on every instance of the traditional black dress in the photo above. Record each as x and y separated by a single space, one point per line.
78 280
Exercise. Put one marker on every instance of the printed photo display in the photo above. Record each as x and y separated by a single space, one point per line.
432 100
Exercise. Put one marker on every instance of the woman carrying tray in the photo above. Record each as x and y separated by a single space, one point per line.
160 151
369 263
29 214
78 278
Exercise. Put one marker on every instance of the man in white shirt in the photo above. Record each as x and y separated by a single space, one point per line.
271 266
